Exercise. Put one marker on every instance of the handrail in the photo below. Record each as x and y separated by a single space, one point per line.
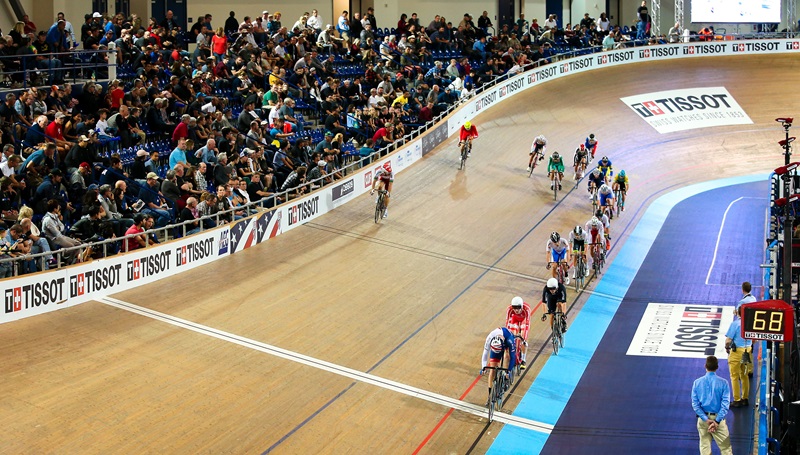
19 144
73 67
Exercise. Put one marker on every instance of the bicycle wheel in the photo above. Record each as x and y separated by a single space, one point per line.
463 157
578 277
555 187
379 208
492 400
555 337
533 164
501 389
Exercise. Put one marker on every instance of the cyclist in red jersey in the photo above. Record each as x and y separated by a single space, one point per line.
384 179
518 322
468 133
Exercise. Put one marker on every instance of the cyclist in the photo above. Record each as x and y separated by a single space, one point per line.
605 167
468 133
498 350
606 195
577 240
620 184
595 180
554 294
601 215
518 322
556 164
580 161
591 144
538 146
558 251
384 179
596 230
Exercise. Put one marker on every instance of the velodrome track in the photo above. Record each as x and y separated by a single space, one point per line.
267 350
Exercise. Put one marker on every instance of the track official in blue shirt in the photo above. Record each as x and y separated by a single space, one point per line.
711 397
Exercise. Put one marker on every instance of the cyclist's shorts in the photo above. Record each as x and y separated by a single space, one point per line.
578 245
622 186
551 307
595 235
604 198
537 149
496 356
558 257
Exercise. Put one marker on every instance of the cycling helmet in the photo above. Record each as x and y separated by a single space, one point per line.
622 173
605 159
541 138
516 302
595 221
556 155
552 283
555 237
591 136
596 172
604 188
467 125
578 231
583 147
598 214
388 166
496 345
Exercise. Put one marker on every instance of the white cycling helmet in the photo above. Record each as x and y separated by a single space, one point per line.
496 345
552 283
517 302
596 172
595 221
604 188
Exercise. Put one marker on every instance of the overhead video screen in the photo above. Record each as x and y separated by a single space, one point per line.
736 11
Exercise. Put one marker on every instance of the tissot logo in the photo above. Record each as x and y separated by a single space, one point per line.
485 101
34 295
793 45
148 266
194 251
94 280
303 210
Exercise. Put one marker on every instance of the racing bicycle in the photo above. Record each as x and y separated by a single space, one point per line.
598 256
466 147
556 182
580 270
619 195
380 206
561 271
501 384
538 155
557 336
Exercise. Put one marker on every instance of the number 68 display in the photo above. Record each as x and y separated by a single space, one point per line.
771 320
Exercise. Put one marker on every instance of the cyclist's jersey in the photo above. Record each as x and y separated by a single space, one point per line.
508 344
467 133
605 169
591 144
580 155
606 221
605 190
577 241
598 180
559 247
538 144
551 299
521 321
621 180
554 165
385 176
594 230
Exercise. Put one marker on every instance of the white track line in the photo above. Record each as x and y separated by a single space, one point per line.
719 234
330 367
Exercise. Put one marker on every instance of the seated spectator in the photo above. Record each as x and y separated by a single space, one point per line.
54 230
189 213
154 203
16 245
139 239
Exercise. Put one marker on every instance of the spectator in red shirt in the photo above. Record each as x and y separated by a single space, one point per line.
55 133
136 228
383 136
182 129
426 113
117 94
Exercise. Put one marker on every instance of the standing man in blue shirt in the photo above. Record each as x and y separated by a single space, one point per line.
747 297
736 347
711 397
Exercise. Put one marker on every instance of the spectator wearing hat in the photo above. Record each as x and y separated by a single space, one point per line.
317 173
154 202
55 133
50 188
138 170
82 151
79 179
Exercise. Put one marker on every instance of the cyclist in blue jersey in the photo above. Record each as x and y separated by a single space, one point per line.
605 167
596 179
499 350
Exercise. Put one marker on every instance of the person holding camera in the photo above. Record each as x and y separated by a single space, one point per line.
739 355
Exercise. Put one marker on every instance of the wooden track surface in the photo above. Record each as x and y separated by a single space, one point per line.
410 300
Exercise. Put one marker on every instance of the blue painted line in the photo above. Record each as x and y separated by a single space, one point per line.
547 398
425 324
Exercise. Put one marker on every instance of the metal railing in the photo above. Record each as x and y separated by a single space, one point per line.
21 71
283 197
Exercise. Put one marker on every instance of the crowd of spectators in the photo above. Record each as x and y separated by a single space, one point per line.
208 120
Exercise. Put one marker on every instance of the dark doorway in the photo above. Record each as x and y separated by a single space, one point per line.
505 11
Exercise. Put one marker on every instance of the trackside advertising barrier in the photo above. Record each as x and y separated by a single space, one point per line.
43 292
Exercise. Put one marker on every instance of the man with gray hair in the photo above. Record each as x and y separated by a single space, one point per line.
208 153
182 129
222 172
189 213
